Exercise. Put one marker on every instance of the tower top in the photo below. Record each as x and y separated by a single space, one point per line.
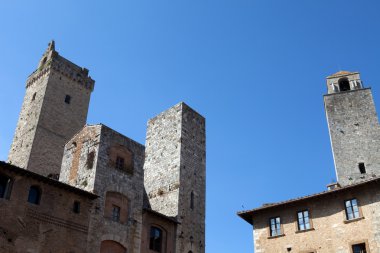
343 81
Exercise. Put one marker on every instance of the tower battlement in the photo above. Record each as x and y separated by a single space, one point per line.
52 61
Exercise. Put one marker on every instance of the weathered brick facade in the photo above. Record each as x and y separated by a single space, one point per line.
346 218
99 202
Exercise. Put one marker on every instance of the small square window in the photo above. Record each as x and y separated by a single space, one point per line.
352 209
76 207
275 226
115 213
68 99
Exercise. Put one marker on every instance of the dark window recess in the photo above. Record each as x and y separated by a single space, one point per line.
90 159
192 200
352 209
362 168
68 99
303 220
34 195
359 248
76 207
275 226
119 164
34 96
155 239
5 186
344 85
115 213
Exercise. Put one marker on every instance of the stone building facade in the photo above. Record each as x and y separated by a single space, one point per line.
71 187
346 217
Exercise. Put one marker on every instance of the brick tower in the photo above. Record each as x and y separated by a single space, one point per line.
55 108
175 171
353 126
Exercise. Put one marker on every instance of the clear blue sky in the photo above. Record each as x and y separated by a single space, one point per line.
254 68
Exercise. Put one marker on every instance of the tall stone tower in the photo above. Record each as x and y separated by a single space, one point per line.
354 128
175 171
55 108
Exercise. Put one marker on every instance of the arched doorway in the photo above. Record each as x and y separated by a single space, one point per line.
109 246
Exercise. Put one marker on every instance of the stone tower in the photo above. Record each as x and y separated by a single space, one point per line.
55 108
354 128
175 171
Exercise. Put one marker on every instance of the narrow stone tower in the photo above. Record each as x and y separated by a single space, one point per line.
55 108
175 173
354 128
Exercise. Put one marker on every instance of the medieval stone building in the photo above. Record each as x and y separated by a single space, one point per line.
70 187
346 217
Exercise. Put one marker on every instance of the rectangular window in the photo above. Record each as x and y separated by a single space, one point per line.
68 99
155 240
76 207
115 213
119 163
275 226
359 248
303 220
362 168
352 209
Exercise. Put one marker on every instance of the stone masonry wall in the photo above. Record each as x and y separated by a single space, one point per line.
174 172
46 121
51 226
330 231
355 134
103 177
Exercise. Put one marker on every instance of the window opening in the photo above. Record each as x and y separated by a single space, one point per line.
155 239
359 248
90 159
362 168
5 186
34 96
303 220
344 84
275 226
76 207
68 99
34 195
352 209
192 200
119 163
115 213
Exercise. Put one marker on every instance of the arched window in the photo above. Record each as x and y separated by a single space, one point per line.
155 241
109 246
34 195
344 84
5 186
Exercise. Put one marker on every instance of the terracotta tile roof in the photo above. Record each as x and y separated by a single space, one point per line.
248 214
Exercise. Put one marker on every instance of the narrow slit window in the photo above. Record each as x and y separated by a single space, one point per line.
192 200
34 96
362 168
115 213
155 241
5 186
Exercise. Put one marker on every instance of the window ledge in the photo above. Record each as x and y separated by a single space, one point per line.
276 236
305 230
353 220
